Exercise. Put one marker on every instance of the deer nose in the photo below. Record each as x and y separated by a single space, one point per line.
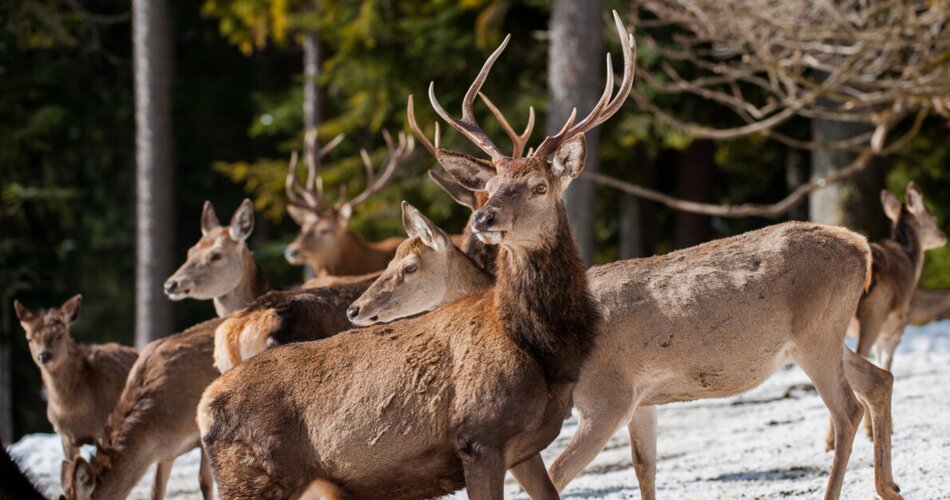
44 357
291 254
170 286
484 220
353 312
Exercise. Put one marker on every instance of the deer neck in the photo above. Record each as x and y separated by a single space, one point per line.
350 257
906 235
252 285
543 302
467 277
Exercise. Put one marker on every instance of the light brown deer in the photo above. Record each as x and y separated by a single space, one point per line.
453 398
885 309
325 241
220 266
427 272
83 381
153 422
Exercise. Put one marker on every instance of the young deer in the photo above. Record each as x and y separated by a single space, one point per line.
453 398
427 272
325 241
220 266
153 422
83 381
885 309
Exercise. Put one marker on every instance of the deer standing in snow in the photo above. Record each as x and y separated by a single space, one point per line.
453 398
220 266
83 381
325 241
153 421
885 309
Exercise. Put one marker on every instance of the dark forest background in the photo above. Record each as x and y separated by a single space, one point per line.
67 151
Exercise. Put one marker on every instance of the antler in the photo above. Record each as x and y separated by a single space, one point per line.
518 141
411 116
605 107
467 124
311 196
397 156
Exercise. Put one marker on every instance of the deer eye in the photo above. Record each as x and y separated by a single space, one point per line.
540 189
215 256
411 268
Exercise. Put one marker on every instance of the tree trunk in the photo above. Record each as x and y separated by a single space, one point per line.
151 36
311 97
575 78
632 242
853 202
794 177
695 177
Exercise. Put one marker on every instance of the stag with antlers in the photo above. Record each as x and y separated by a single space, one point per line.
453 398
325 241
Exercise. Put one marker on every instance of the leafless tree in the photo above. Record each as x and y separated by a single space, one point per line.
874 62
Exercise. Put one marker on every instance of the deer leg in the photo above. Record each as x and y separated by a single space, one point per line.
205 480
825 369
601 413
484 470
533 477
642 428
70 450
869 331
161 479
875 386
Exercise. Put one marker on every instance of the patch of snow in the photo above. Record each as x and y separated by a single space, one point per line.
766 443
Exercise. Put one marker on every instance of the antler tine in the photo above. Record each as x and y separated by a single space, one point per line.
518 141
605 107
467 125
397 156
411 117
296 194
325 150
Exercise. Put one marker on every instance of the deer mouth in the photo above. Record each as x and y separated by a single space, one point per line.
178 294
491 237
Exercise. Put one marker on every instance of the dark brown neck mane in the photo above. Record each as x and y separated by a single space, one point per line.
545 304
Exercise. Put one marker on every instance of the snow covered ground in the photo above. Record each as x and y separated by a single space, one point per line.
768 443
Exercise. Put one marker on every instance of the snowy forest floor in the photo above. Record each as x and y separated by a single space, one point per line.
767 443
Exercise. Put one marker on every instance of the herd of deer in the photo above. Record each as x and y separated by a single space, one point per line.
472 349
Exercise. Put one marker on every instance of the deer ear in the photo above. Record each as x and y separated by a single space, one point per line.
419 225
915 199
209 220
461 194
470 172
24 314
891 204
242 222
84 481
300 215
69 311
569 160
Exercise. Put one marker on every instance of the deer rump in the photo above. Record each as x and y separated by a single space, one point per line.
382 412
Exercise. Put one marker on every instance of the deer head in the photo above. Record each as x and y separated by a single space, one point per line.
415 280
325 227
925 222
217 263
48 333
524 193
